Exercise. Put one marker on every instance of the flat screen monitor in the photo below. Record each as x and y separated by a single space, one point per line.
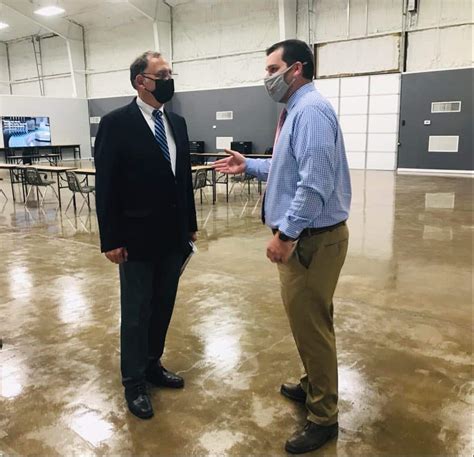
24 131
196 146
244 147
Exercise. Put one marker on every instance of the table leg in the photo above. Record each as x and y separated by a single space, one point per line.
12 184
59 190
88 194
214 186
227 188
24 186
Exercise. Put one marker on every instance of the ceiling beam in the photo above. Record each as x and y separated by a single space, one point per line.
58 25
159 14
148 8
72 34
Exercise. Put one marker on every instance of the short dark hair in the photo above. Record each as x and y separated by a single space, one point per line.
296 51
140 63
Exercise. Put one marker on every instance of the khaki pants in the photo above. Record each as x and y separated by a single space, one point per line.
308 282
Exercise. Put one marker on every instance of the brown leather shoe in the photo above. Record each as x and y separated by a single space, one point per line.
294 392
312 437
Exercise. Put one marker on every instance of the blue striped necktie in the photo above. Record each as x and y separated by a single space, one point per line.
160 134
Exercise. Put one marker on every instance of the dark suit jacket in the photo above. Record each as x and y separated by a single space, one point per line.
140 204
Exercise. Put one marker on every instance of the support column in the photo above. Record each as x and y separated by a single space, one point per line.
287 19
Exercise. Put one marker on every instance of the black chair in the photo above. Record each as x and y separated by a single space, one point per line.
9 152
244 180
2 191
76 187
34 179
200 182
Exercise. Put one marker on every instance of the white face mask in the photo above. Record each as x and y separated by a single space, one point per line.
276 85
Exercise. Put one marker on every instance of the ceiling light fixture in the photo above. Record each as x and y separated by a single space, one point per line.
50 11
3 25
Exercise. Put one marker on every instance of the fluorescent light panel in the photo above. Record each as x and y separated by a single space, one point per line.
3 25
49 11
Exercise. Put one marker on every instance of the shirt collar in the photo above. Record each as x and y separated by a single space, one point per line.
293 100
146 108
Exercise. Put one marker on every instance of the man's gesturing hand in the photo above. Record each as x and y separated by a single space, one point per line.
232 165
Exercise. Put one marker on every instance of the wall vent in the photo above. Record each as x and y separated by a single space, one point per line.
443 143
446 107
224 115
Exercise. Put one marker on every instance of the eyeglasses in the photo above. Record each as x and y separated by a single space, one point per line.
165 74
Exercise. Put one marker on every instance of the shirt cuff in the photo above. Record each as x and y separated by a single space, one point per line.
251 167
291 230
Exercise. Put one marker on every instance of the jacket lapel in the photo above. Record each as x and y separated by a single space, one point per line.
143 129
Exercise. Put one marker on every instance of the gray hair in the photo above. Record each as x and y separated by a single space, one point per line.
140 63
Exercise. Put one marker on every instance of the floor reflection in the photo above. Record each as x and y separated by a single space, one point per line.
403 317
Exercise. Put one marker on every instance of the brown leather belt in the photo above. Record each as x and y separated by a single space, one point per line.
315 231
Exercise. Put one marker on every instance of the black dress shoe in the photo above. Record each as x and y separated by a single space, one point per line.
312 437
161 377
294 392
139 402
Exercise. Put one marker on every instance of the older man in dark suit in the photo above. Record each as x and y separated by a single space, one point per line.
146 213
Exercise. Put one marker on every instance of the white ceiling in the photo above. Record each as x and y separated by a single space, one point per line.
88 13
103 14
19 26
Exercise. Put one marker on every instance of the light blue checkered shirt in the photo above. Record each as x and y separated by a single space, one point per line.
308 181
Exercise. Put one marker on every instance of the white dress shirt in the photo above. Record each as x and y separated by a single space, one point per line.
147 111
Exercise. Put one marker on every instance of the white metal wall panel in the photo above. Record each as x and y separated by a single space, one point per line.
381 161
356 123
383 123
353 105
369 116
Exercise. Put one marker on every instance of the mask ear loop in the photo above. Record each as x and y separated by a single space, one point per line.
294 79
147 77
302 64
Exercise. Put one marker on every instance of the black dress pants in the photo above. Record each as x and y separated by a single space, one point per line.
147 294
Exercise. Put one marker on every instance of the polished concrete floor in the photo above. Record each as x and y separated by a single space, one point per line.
403 319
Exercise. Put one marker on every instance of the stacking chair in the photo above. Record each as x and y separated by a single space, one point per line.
244 180
200 182
76 187
2 191
34 179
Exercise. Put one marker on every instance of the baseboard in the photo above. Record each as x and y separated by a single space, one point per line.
434 172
